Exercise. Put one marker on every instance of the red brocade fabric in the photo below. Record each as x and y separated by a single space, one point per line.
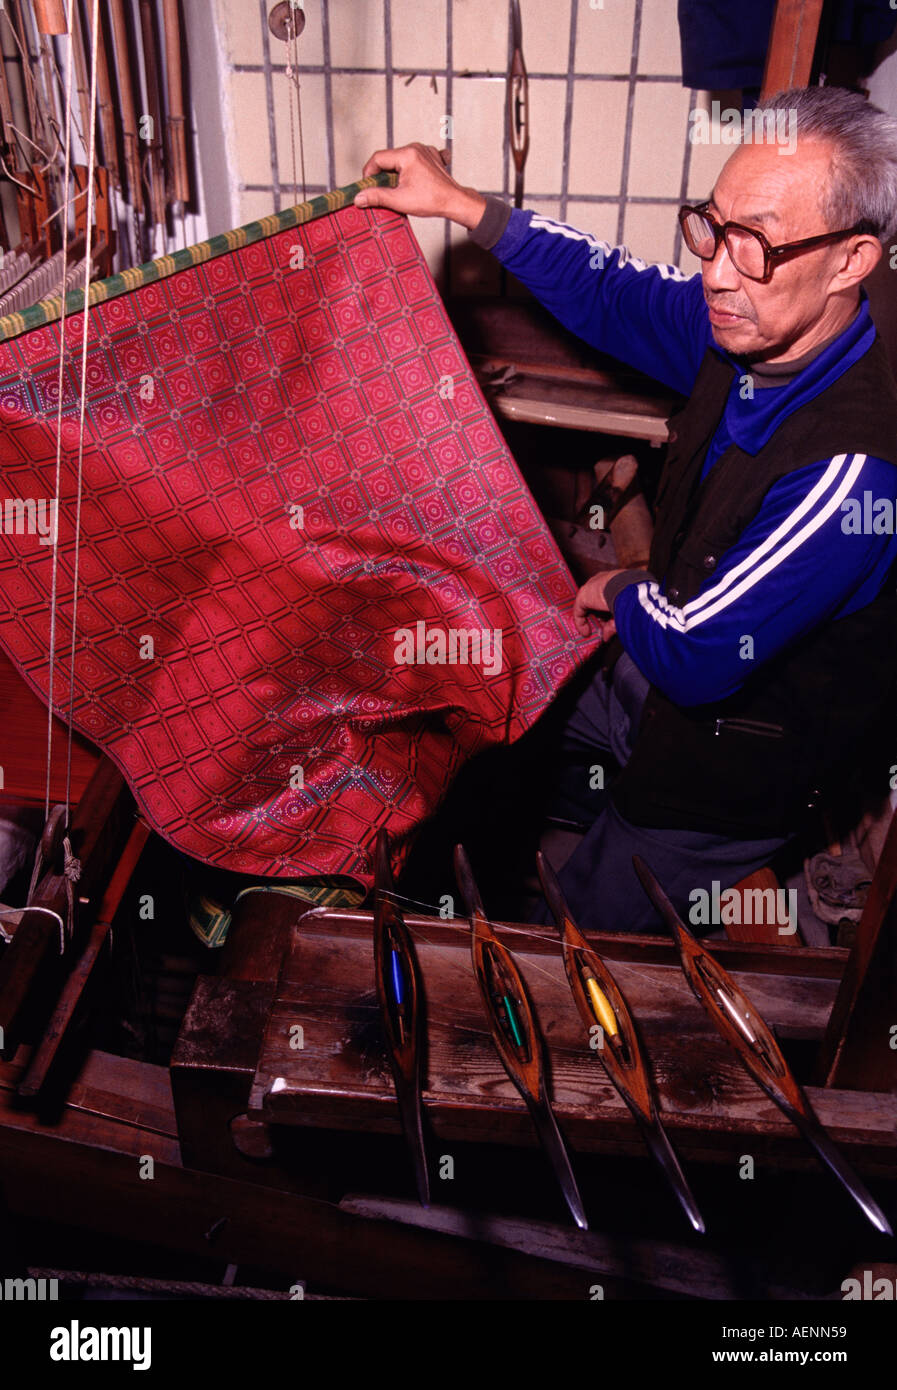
268 728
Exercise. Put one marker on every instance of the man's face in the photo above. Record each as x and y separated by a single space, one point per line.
777 195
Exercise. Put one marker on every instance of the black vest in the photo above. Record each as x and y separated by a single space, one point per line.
749 765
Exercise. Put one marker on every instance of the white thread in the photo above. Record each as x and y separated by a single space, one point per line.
91 178
59 381
47 911
292 78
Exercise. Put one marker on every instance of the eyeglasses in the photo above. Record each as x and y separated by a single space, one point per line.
749 251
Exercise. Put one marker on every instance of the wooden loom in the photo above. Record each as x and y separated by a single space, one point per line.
268 1145
222 1123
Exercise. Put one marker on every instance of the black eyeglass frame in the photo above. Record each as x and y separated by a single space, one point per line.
771 254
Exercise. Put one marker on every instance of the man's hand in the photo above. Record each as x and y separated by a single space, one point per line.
590 599
425 188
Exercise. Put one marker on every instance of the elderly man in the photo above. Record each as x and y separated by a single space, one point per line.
753 656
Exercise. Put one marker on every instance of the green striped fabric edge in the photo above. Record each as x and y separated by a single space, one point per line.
210 920
48 310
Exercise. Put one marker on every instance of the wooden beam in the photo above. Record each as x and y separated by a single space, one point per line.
334 1076
89 1169
858 1049
792 43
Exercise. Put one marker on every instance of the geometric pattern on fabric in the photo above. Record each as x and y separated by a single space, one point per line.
219 400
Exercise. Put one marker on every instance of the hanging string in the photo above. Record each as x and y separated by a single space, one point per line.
295 95
59 395
71 865
91 186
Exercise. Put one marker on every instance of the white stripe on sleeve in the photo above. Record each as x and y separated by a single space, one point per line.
837 481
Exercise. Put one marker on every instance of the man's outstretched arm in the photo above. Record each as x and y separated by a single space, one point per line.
650 316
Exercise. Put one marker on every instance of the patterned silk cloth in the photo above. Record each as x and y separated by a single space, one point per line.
297 520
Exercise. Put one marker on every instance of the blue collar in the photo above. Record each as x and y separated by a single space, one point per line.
752 422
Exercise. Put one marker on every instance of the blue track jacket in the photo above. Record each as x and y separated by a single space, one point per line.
818 549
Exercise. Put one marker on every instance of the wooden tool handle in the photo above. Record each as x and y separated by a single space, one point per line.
128 112
50 16
180 178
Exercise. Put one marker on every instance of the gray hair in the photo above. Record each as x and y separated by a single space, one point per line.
862 185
